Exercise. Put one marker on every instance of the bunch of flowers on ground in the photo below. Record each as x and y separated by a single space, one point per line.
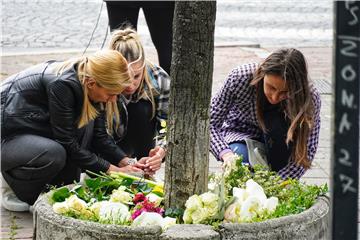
250 194
239 194
115 199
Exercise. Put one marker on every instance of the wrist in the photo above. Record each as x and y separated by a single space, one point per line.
229 156
123 162
127 161
110 169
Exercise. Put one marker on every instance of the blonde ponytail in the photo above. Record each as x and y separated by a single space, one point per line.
128 43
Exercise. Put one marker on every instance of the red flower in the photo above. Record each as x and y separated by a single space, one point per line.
145 206
139 197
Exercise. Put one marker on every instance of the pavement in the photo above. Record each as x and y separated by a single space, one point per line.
20 225
42 25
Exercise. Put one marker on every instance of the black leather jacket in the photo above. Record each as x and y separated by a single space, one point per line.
36 101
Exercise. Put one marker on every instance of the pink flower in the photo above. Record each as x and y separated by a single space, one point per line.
146 206
136 213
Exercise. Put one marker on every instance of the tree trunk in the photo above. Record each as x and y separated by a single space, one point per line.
187 164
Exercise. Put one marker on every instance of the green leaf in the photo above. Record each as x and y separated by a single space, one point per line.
127 182
80 192
60 194
142 187
93 183
174 213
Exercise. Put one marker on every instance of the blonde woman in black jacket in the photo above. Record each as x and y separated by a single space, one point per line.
50 112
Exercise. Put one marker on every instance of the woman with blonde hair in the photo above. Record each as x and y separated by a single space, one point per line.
143 104
272 103
50 113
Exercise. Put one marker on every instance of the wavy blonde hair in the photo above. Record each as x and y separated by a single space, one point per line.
109 70
128 43
290 64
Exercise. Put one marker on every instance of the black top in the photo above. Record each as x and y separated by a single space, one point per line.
277 125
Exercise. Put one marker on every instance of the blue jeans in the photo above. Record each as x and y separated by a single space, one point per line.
240 149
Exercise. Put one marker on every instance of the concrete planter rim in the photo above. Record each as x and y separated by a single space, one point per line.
43 207
320 209
44 210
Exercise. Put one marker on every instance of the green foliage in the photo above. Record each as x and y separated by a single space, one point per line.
101 186
294 196
60 194
175 213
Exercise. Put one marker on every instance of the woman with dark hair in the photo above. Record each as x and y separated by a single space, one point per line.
272 103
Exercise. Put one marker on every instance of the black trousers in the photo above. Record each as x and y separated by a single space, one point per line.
159 17
29 163
141 130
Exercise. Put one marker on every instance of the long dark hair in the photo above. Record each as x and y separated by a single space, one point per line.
290 64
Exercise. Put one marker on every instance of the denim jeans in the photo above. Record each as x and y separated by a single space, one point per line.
240 149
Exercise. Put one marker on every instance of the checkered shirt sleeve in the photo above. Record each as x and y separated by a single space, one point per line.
162 84
292 170
235 91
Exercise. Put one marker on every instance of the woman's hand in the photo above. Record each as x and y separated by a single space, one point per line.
153 162
228 158
126 169
125 161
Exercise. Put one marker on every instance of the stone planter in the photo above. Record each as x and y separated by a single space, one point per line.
310 224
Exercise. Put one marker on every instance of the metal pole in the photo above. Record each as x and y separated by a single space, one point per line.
345 157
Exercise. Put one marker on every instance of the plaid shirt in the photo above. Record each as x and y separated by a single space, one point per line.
233 117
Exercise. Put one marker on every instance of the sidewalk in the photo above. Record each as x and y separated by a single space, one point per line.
19 225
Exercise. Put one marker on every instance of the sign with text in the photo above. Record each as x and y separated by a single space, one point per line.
345 158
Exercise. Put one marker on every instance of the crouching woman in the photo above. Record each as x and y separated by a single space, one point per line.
50 113
274 104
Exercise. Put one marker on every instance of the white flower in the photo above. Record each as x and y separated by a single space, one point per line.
240 194
151 219
271 204
249 203
211 203
167 222
194 202
250 208
154 198
201 208
232 213
60 207
211 186
114 213
148 219
187 216
209 199
95 208
199 215
75 203
254 189
120 195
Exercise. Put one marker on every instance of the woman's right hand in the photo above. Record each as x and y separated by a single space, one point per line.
228 158
126 169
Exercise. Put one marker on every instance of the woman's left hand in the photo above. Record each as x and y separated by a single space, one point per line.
153 162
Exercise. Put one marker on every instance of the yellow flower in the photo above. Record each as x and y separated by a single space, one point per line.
60 207
163 123
158 189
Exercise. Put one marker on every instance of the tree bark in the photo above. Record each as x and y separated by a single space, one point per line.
187 164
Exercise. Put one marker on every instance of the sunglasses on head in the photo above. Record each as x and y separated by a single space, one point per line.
132 71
